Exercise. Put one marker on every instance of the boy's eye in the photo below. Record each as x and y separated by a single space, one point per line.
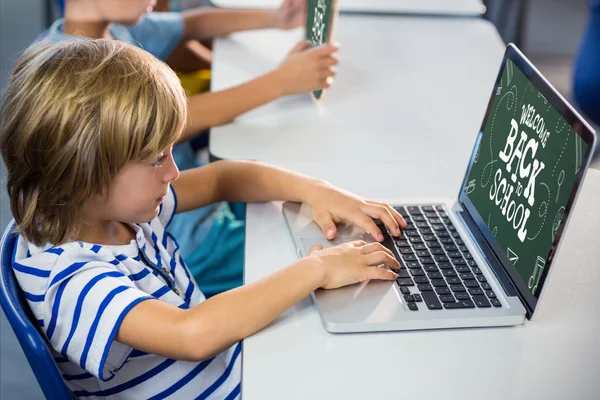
158 162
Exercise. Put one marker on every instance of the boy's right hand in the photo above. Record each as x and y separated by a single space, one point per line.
306 69
353 262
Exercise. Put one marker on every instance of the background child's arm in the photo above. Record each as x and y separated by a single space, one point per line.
216 324
255 182
206 23
302 71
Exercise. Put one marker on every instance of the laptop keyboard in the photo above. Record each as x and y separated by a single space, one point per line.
437 270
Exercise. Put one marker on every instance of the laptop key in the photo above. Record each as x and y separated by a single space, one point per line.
462 296
431 214
453 280
439 208
427 260
417 272
423 253
438 227
424 287
471 284
438 282
477 271
421 279
443 234
451 228
408 298
481 278
413 265
404 290
458 240
429 238
471 263
409 257
455 234
430 268
441 258
491 294
496 302
418 218
413 210
422 225
457 288
450 247
443 214
433 244
420 246
459 304
402 243
435 275
417 297
454 254
405 282
442 290
431 301
486 286
437 252
435 220
481 301
446 240
448 273
447 298
401 210
403 273
458 261
463 248
462 268
411 233
406 250
467 276
445 265
427 208
412 306
426 231
415 239
475 291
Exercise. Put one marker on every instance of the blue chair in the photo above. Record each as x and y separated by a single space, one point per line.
20 318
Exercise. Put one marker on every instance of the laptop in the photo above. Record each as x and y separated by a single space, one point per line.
482 258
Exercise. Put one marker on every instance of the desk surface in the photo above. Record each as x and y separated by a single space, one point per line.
404 83
440 7
554 356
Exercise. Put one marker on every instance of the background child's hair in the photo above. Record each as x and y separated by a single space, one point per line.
73 115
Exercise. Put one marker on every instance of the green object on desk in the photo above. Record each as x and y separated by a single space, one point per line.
320 20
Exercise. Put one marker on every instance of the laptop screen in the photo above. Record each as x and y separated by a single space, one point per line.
523 172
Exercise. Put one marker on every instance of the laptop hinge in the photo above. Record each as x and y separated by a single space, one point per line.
487 252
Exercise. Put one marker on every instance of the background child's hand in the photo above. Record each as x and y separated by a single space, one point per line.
353 262
305 69
291 14
330 205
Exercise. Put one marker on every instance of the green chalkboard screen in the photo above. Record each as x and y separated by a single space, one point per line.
523 173
320 20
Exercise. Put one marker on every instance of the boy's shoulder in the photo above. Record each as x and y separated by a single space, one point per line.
157 33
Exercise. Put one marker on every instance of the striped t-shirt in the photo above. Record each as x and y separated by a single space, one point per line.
80 292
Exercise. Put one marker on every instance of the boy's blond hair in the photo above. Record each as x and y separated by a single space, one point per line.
73 115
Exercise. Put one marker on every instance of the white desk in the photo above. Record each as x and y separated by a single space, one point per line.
554 356
439 7
404 83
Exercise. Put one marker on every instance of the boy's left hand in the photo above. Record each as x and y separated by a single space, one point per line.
331 205
291 14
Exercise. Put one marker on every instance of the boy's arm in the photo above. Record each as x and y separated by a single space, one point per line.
255 182
207 23
302 71
214 325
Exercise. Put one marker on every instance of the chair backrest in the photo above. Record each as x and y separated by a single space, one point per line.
20 318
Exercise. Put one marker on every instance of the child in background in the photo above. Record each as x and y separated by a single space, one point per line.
87 128
159 33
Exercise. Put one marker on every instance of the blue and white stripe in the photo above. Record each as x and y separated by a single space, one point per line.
80 292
